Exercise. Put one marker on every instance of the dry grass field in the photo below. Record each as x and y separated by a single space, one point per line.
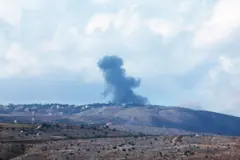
100 143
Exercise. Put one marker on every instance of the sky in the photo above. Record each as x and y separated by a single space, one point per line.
186 52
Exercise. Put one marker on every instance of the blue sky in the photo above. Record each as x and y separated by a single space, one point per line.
186 52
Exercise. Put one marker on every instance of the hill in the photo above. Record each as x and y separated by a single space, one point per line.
164 118
167 117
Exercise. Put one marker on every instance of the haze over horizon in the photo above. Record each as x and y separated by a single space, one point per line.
186 53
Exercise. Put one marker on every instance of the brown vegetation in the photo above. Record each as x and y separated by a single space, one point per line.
115 145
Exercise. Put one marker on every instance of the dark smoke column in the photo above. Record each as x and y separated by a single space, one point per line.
118 84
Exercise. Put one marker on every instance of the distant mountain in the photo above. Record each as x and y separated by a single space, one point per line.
128 114
167 117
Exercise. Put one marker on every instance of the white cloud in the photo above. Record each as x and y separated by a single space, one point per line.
127 20
226 64
99 22
230 65
185 6
11 10
223 22
127 29
157 39
100 1
161 27
74 31
17 62
220 88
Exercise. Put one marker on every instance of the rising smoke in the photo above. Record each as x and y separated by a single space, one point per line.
120 86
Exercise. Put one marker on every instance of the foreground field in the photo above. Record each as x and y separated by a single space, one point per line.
132 148
102 143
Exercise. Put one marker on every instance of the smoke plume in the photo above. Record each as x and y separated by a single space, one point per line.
120 86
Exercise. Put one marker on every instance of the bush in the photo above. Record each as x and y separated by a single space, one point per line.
121 145
131 143
186 153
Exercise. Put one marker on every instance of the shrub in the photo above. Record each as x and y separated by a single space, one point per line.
106 132
121 145
186 153
131 143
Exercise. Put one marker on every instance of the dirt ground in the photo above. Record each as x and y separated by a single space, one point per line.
132 148
83 143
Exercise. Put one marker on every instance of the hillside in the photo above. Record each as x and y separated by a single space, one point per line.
168 117
140 148
148 130
16 139
165 118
